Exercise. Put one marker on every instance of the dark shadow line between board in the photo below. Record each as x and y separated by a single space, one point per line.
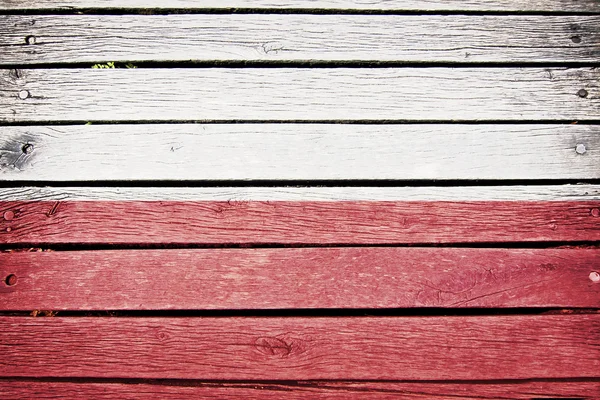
314 383
287 313
299 64
308 184
76 247
290 10
302 122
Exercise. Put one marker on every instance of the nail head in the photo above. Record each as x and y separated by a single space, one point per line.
581 149
9 215
582 93
576 39
30 39
594 277
595 212
23 94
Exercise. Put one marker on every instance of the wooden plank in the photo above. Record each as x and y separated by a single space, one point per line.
298 348
283 94
579 192
299 151
299 278
26 390
407 38
388 5
290 222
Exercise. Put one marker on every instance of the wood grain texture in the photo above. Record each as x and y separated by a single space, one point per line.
289 222
298 151
295 348
409 5
257 37
282 94
26 390
299 278
579 192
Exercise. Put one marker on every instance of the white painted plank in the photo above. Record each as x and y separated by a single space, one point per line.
280 94
412 5
581 192
298 152
276 37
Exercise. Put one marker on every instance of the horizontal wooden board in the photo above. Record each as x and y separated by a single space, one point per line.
580 192
283 94
26 390
413 5
290 222
259 37
298 151
299 278
297 348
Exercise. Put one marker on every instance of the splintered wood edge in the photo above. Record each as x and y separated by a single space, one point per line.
581 192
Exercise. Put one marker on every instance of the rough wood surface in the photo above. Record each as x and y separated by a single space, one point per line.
27 390
92 38
295 348
298 151
410 5
579 192
290 222
299 278
276 94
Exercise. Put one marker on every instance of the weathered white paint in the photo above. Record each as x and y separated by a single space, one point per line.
277 37
455 193
298 151
281 94
468 5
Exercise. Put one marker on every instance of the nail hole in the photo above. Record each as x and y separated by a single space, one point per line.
576 39
575 27
580 149
594 277
30 39
23 94
595 212
11 280
27 149
582 93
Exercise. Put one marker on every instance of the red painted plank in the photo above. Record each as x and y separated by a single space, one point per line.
27 390
299 278
297 222
294 348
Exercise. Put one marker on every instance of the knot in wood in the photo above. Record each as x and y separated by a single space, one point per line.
279 346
